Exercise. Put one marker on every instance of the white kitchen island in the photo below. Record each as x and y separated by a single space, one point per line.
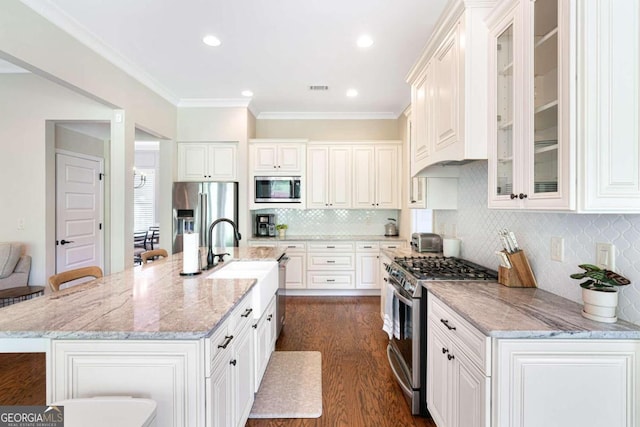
148 332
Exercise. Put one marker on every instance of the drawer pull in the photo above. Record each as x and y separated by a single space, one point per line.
331 280
331 247
450 356
331 261
445 350
254 326
367 247
446 323
269 317
391 247
247 312
233 362
291 247
227 340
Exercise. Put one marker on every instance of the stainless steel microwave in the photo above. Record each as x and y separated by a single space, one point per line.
277 189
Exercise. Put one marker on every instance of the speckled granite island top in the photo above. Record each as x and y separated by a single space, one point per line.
145 302
502 312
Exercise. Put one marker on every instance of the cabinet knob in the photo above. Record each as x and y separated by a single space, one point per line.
513 196
522 196
233 362
444 350
450 356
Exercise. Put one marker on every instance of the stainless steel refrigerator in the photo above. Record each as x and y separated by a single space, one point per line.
197 204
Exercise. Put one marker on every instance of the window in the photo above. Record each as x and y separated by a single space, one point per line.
144 200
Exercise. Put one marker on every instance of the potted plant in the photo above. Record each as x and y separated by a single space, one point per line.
282 228
599 292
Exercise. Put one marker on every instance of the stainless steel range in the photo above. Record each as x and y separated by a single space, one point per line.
407 349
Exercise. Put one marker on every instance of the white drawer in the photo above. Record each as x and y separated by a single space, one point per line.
393 245
241 316
321 280
367 246
216 346
331 246
472 342
328 261
263 243
293 246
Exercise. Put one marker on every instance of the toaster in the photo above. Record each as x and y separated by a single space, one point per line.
426 242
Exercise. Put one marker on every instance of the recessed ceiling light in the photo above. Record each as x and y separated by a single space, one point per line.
365 41
247 93
211 41
351 93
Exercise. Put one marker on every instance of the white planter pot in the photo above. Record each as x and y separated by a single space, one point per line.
282 233
600 306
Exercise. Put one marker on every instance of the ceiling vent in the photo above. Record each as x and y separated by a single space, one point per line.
318 87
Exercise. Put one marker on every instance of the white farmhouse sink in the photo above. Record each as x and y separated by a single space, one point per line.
266 272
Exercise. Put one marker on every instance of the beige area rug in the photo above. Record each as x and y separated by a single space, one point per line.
291 387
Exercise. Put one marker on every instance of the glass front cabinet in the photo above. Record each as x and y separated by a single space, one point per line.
529 150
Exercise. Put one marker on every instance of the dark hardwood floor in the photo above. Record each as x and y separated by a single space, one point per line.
23 379
358 386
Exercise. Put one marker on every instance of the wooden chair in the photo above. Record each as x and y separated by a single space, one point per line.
67 276
150 255
139 245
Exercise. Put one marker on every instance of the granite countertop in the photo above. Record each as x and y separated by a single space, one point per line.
355 237
502 312
145 302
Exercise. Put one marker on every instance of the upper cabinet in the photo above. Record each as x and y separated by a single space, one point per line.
564 84
529 155
211 161
329 177
449 90
376 177
276 157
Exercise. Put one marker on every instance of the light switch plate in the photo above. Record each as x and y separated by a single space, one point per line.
557 249
605 256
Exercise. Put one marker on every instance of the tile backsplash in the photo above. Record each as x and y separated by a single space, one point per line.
477 227
337 222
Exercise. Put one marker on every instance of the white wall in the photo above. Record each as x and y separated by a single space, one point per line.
328 130
477 227
27 160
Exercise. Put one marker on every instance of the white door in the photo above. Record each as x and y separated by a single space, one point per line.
79 233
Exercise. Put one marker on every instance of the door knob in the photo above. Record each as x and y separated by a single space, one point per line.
64 242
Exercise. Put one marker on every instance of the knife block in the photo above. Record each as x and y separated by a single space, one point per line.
519 275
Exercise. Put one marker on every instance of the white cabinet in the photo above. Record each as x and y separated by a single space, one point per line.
586 383
608 94
232 365
169 372
297 265
207 161
530 148
276 157
376 177
367 265
458 365
331 265
329 174
449 89
264 334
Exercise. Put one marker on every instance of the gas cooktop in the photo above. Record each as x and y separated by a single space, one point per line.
444 268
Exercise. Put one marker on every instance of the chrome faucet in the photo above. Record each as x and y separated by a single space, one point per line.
210 255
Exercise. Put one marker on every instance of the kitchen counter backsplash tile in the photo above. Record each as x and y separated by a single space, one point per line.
319 237
337 222
477 227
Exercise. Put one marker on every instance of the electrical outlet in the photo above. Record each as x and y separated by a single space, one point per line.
20 223
557 249
605 256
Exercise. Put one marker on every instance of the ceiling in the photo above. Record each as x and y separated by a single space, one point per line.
275 48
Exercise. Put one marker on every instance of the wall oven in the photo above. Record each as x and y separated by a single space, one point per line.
278 189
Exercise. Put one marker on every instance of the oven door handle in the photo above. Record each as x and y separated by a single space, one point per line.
396 292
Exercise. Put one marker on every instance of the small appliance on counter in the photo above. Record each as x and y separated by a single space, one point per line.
265 225
390 228
426 242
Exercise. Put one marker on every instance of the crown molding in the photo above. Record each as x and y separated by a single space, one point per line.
325 116
213 102
66 23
